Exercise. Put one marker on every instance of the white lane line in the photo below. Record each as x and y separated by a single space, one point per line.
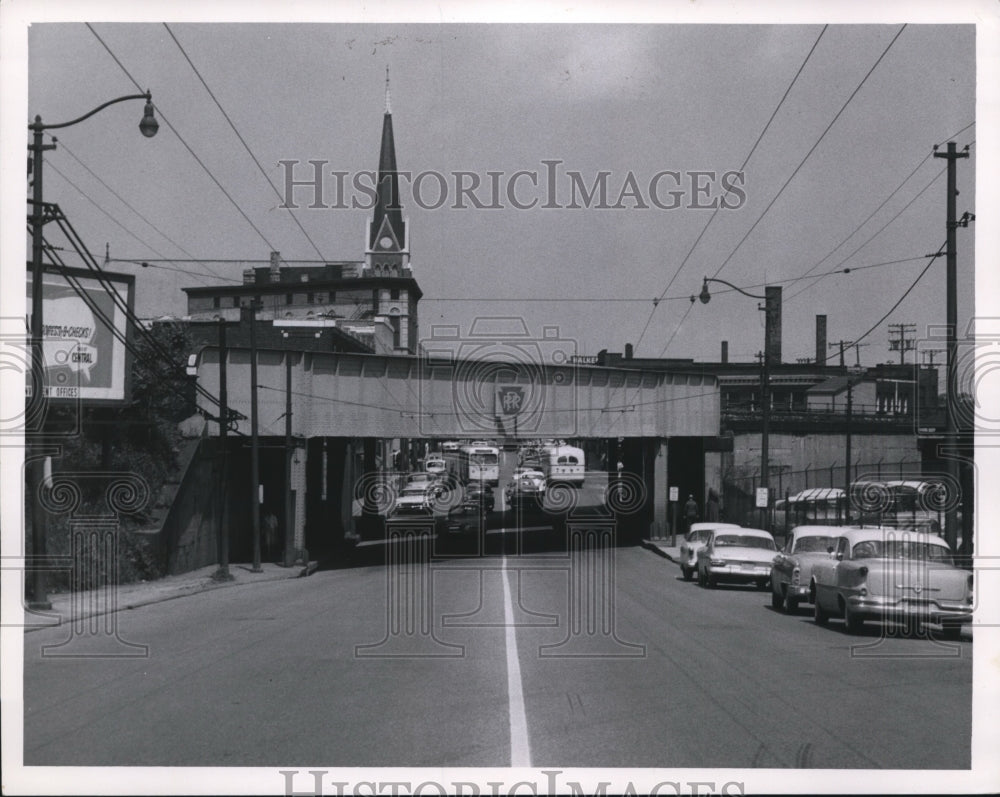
520 751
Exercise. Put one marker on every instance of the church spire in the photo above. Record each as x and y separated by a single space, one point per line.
387 211
388 107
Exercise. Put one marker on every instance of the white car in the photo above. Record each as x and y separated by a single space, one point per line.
693 541
736 555
435 466
526 485
791 572
892 575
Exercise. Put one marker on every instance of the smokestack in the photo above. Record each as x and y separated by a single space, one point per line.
820 339
773 308
628 351
725 352
275 260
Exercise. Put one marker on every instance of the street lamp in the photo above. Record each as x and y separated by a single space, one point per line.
148 126
772 307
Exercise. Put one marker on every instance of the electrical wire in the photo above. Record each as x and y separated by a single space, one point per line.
180 138
120 198
242 140
812 149
742 167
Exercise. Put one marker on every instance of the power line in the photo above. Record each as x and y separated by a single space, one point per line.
686 298
129 206
240 137
154 264
742 167
180 138
878 232
86 196
811 149
799 167
906 293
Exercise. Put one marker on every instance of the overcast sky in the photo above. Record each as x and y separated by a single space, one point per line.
630 100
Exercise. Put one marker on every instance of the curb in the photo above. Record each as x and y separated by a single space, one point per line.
657 549
63 615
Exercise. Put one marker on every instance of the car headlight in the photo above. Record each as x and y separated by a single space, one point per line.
717 562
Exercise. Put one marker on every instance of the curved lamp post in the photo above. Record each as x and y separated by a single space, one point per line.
148 125
772 301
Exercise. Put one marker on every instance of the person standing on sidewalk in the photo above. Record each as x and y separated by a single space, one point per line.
712 512
690 513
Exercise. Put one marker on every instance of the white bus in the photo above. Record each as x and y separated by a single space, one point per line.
560 463
475 463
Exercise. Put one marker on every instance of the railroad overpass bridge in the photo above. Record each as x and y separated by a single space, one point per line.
345 408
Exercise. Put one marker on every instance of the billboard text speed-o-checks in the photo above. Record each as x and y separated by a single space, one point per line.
84 326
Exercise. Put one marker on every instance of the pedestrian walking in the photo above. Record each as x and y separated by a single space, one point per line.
690 513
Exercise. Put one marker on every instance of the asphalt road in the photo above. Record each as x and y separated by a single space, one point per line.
600 658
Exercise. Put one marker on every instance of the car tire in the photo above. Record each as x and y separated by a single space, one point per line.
686 572
853 621
762 584
820 615
791 605
777 601
710 582
952 631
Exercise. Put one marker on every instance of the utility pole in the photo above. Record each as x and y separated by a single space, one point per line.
843 345
223 574
840 344
903 344
289 509
951 299
254 446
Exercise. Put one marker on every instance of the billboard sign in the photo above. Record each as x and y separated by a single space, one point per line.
85 361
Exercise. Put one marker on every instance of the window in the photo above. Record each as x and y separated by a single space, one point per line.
216 302
236 301
394 294
310 298
289 298
394 322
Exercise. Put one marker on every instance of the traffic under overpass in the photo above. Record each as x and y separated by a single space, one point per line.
341 405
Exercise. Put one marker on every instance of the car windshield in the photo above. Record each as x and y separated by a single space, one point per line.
813 544
901 549
483 459
413 491
744 541
699 536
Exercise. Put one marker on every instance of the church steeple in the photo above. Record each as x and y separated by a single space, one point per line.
387 220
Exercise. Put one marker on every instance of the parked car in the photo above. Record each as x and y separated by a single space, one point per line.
892 575
527 485
791 571
693 541
738 554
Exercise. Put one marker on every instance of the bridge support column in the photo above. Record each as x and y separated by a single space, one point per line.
660 489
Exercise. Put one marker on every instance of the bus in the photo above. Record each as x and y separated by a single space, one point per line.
559 462
476 462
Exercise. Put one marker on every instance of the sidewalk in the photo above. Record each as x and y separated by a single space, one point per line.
71 606
662 546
